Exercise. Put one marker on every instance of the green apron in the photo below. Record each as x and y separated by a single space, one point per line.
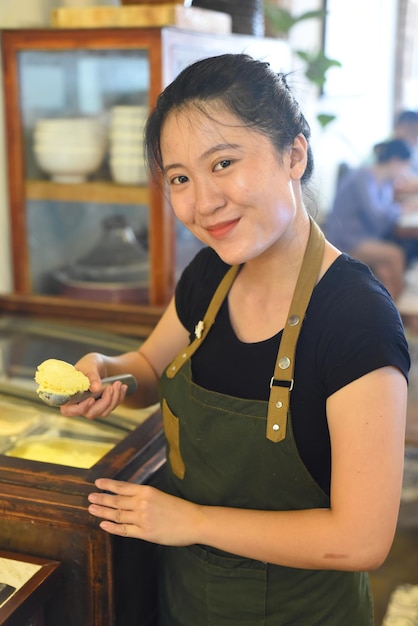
228 451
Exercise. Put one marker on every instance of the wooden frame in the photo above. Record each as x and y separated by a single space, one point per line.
161 220
26 604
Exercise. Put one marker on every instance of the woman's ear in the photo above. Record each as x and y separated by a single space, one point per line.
298 157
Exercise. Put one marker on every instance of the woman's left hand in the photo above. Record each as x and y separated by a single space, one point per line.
143 512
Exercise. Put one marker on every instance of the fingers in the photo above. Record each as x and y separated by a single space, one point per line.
111 503
143 512
92 408
117 486
109 506
118 510
123 530
111 397
117 516
115 520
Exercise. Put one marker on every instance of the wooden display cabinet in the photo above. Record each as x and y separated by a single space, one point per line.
102 580
85 73
48 465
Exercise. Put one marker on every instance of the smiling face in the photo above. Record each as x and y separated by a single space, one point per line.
228 185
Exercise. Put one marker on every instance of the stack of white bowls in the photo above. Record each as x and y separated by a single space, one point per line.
126 145
69 149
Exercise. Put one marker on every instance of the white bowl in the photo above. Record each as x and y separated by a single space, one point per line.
127 151
69 149
70 133
89 129
128 171
125 140
128 112
68 143
127 126
66 165
125 136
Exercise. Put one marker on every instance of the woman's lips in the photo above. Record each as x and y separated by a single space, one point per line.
221 230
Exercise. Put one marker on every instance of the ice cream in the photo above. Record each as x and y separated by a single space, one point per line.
72 452
59 377
15 418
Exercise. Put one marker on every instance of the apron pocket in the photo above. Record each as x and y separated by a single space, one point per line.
200 588
236 592
172 433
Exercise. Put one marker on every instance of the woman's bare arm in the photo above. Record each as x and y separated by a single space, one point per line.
146 364
367 425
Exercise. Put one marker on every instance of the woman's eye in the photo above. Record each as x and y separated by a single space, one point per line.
178 180
223 164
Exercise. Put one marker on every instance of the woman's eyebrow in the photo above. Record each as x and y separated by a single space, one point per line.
218 148
205 155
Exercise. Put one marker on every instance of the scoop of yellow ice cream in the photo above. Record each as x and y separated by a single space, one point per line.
60 377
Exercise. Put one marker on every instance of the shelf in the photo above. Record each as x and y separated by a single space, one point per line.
100 192
132 320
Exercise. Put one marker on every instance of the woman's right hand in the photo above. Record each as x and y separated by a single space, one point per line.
94 367
146 365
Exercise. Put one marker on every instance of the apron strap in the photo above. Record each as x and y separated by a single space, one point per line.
203 327
281 383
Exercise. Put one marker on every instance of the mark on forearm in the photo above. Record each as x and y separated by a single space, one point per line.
332 555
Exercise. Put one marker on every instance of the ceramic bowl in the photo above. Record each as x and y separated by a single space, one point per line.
122 137
127 112
128 119
127 126
83 129
128 171
66 165
69 149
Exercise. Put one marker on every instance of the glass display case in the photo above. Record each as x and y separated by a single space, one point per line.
87 223
48 465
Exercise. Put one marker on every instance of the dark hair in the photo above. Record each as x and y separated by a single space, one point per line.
406 117
393 149
247 88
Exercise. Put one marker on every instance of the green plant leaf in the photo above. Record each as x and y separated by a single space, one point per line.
325 118
281 20
317 65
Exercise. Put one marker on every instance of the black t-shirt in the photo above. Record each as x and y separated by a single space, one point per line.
351 328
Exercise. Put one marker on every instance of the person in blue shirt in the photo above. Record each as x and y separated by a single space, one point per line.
365 213
405 127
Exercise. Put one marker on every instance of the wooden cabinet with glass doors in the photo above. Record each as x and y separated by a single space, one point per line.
92 237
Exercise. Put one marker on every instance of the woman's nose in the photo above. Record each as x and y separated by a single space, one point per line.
208 197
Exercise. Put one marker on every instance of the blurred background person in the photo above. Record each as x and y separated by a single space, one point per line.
406 128
365 213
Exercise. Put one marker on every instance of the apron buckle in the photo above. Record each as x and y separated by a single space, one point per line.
281 383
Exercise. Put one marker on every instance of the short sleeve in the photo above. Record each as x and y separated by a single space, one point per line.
362 330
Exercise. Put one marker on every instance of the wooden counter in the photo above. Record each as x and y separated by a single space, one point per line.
104 580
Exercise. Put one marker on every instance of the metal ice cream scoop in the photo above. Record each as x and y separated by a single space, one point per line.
58 399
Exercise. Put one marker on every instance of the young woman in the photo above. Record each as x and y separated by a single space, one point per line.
281 367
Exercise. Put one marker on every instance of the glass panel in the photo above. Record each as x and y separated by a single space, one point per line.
78 83
90 251
24 345
83 113
187 246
